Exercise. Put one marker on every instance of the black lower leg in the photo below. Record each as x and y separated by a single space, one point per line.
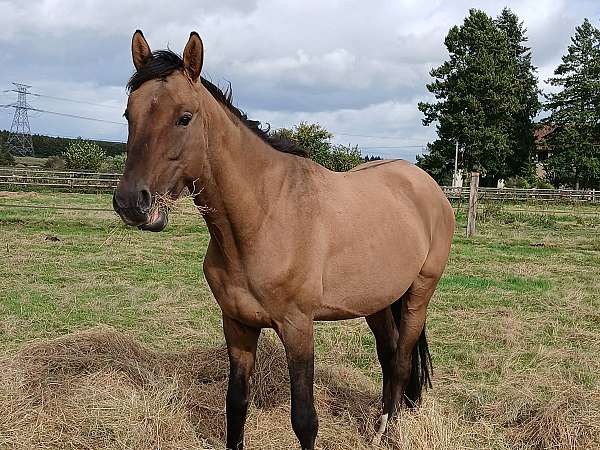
237 407
386 338
241 345
303 414
412 367
296 333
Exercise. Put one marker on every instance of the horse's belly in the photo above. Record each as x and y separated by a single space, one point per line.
366 279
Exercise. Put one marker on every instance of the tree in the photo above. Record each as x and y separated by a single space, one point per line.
114 164
484 99
527 92
6 159
50 146
575 113
342 158
84 156
55 162
317 141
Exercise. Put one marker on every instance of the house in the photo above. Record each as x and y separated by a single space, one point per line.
543 150
540 134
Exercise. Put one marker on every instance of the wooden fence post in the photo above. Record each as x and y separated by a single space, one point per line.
472 204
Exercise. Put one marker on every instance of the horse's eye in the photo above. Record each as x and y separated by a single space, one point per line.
184 120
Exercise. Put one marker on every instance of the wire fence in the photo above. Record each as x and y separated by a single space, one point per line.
33 179
520 195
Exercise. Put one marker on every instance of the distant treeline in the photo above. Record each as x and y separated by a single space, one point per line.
44 146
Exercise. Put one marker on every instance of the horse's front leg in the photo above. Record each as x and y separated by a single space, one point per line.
296 334
241 346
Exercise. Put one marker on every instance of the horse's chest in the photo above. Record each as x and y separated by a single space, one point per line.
236 300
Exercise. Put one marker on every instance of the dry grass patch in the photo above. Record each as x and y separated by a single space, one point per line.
100 389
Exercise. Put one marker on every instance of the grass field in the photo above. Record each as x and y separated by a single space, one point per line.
514 331
30 161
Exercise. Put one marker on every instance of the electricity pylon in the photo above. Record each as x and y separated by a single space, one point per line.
19 141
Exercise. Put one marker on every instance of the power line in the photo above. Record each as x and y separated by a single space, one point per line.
87 138
83 102
366 135
392 146
74 116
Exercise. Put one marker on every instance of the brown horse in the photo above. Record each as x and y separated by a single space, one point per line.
290 241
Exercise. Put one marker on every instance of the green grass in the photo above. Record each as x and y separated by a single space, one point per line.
30 161
517 310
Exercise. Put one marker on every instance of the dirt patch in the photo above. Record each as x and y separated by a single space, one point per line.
17 195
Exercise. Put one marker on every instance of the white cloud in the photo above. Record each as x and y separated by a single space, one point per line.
354 66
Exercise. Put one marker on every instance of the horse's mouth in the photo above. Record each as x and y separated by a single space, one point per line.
157 220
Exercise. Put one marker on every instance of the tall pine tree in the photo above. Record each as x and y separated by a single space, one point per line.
575 113
527 95
486 98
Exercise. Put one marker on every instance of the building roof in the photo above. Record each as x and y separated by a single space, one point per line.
540 133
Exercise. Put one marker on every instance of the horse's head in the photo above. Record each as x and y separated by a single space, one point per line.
164 106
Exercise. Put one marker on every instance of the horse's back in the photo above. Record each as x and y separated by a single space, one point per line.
413 185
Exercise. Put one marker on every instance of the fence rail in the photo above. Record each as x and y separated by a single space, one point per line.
26 178
517 194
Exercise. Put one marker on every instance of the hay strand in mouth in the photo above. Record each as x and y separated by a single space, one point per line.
172 202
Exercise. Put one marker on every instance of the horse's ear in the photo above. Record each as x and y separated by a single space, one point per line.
193 56
140 50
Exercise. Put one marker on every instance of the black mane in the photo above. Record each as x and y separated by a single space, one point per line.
164 62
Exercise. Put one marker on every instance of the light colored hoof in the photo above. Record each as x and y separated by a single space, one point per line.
382 427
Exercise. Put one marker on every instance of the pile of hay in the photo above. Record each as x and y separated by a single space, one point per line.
100 389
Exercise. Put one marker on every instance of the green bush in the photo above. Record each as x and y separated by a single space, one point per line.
6 159
531 182
114 164
317 141
543 184
342 158
517 182
84 156
55 163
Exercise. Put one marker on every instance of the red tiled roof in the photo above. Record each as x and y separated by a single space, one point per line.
540 132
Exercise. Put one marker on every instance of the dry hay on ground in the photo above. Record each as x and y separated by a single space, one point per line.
100 389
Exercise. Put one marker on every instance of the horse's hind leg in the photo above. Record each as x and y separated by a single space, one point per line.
386 338
412 368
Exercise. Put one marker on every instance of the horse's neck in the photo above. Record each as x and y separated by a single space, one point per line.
241 175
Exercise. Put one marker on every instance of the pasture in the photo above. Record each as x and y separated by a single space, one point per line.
110 338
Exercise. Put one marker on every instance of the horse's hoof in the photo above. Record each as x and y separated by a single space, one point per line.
382 426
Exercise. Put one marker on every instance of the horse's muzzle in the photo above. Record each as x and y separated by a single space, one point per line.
142 213
157 221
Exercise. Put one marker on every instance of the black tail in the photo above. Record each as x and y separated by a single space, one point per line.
420 372
421 368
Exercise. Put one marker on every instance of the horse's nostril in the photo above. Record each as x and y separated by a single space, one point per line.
145 199
118 201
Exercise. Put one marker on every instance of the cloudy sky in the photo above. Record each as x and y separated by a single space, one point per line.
356 67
